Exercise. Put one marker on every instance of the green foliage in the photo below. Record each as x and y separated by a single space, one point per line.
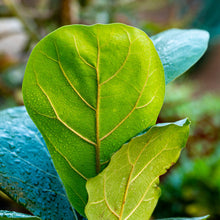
90 89
128 187
91 84
4 215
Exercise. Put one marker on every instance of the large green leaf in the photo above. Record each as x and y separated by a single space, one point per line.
180 49
5 215
27 174
89 89
128 188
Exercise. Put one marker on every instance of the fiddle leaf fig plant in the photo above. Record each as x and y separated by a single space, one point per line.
91 90
96 87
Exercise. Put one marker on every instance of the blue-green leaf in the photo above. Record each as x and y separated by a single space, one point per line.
179 50
5 215
27 174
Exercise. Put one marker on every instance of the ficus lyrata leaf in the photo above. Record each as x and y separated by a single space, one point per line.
179 50
128 188
89 89
5 215
27 174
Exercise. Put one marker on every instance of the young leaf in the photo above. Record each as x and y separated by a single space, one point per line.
128 188
89 89
179 50
5 215
27 174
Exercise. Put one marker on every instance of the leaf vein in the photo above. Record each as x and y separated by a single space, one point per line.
66 159
58 118
97 202
135 208
127 116
50 58
123 64
153 160
106 202
68 80
77 49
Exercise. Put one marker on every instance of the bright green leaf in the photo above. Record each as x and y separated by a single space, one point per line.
4 215
180 49
128 188
89 89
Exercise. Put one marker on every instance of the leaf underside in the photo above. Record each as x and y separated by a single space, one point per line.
27 174
128 188
89 89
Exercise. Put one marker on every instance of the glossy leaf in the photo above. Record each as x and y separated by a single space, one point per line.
27 174
195 218
5 215
179 50
89 89
128 188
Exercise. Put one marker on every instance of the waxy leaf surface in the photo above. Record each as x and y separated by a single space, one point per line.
89 89
179 50
128 188
5 215
27 174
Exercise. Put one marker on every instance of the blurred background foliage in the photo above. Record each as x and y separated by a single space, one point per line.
192 188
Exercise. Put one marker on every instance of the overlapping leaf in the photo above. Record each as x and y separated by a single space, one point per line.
179 50
128 188
27 173
89 89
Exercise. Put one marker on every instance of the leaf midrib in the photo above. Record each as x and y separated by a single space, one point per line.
99 139
98 142
130 181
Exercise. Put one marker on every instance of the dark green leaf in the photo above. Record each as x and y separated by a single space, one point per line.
179 50
27 173
128 188
89 89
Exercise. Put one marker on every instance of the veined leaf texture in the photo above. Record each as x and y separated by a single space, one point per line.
89 89
128 188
